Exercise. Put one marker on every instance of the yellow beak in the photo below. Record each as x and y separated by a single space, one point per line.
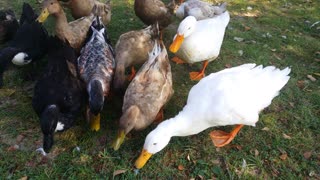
120 138
43 16
175 46
143 158
95 122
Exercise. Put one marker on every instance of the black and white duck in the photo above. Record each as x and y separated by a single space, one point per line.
58 95
28 44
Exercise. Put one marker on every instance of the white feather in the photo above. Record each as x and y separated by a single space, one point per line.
229 97
19 59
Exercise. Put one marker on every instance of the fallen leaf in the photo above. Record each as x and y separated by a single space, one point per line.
317 74
216 162
286 136
291 104
24 178
284 156
180 167
19 138
239 39
247 28
238 147
188 157
201 177
312 173
273 50
117 172
277 57
240 52
244 165
265 129
311 78
300 84
307 154
256 153
228 65
13 148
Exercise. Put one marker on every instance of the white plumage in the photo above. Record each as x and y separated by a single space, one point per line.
202 39
229 97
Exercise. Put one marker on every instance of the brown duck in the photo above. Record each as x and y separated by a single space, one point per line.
132 48
152 11
75 32
81 8
146 95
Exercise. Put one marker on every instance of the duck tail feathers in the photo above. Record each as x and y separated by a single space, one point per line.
276 77
155 51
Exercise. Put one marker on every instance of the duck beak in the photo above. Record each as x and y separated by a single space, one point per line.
95 122
117 143
143 158
175 46
43 16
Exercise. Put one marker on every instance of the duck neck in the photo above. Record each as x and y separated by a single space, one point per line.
62 25
183 124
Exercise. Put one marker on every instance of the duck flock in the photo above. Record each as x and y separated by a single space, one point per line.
83 68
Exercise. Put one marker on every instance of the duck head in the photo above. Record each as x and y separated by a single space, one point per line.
49 124
185 29
155 142
49 7
127 123
96 96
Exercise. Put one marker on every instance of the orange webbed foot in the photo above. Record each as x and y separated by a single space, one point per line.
133 73
196 76
159 118
178 60
221 138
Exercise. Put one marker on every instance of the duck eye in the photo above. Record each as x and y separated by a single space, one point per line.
154 144
51 3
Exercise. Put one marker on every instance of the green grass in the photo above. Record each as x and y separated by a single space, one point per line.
295 112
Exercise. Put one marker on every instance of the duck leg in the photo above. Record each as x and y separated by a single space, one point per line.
133 73
196 76
221 138
159 117
177 60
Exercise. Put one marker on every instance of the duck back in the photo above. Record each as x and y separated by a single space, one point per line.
238 94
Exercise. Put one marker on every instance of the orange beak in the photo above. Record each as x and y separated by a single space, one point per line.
143 158
175 46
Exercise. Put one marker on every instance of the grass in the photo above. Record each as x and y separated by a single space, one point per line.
283 145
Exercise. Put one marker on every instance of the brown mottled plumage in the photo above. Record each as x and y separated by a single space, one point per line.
152 11
81 8
75 32
132 48
148 92
146 95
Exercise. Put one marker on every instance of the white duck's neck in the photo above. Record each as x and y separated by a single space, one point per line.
183 124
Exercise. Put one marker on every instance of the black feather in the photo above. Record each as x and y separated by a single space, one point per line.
58 87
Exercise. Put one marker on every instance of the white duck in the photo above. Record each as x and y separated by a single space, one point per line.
199 9
198 41
232 96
